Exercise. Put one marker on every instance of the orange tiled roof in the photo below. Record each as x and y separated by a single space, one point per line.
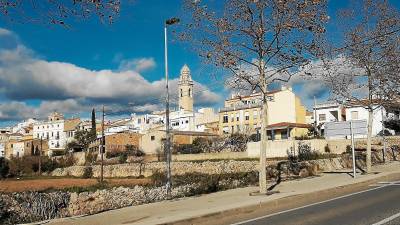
288 125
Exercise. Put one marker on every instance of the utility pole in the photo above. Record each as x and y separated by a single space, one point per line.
40 155
102 146
167 127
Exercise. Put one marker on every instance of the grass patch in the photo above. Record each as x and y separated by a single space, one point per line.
79 189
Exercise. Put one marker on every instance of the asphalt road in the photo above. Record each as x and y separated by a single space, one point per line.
375 206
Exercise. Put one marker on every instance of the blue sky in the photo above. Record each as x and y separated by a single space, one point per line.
133 42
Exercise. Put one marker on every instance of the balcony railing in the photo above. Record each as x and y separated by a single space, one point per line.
240 107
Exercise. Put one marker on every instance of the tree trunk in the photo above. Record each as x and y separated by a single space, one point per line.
369 140
263 147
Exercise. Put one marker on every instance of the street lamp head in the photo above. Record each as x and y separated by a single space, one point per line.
172 21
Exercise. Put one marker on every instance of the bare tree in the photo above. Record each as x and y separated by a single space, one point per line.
365 72
57 11
257 42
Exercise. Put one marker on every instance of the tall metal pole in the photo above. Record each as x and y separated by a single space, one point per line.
102 147
352 149
168 135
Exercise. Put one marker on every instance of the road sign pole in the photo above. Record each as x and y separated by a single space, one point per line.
352 149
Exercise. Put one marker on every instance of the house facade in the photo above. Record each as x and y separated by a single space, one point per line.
286 114
52 131
335 112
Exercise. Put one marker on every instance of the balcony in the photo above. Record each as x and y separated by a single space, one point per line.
240 107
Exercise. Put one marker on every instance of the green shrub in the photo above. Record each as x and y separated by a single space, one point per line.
327 149
88 172
122 158
90 157
237 142
305 152
349 150
66 161
208 183
4 168
187 149
133 150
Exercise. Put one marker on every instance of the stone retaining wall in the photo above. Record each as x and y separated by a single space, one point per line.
147 169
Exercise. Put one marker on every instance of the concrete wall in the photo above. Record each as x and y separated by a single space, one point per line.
279 148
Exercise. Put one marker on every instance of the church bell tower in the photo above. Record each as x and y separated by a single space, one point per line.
185 90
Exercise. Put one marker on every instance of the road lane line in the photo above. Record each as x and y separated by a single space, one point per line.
387 219
313 204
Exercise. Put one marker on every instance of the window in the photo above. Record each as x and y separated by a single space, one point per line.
354 115
139 121
190 93
187 121
225 130
246 115
322 117
181 93
237 116
284 134
255 114
225 119
152 138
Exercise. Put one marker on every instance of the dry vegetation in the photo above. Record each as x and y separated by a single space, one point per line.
13 185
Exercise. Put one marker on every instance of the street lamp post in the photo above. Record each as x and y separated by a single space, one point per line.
167 126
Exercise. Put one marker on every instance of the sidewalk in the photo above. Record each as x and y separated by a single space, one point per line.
186 208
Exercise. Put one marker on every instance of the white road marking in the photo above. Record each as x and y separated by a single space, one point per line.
313 204
387 219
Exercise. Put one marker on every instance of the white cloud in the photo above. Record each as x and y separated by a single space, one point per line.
67 88
138 65
5 32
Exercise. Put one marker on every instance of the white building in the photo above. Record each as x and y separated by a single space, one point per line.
328 112
380 115
21 127
52 130
145 122
334 112
2 150
18 149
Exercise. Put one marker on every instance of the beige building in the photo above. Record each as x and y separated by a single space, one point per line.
152 141
117 142
26 146
286 114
